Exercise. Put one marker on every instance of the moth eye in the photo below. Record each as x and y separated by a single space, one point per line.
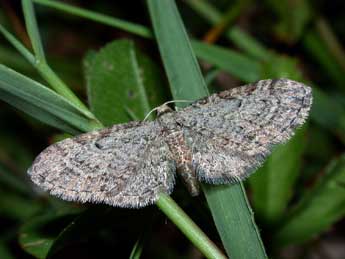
203 101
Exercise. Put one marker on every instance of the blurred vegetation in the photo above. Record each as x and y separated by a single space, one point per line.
113 64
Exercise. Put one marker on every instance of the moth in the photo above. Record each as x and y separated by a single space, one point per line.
219 139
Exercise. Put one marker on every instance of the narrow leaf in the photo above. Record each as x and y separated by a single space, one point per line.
137 250
15 207
242 40
176 52
227 203
41 102
320 53
5 252
272 184
32 28
101 18
18 45
48 74
233 62
37 235
309 219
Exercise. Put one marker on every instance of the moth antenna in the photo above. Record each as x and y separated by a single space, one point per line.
172 101
154 109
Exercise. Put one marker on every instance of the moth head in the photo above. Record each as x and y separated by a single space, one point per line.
164 108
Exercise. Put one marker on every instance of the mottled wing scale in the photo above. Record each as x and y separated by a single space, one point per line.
232 132
219 139
126 165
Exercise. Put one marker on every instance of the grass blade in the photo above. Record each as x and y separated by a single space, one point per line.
48 74
5 252
32 28
137 250
241 66
321 54
272 185
174 47
188 227
227 19
108 20
42 103
18 45
241 39
309 219
34 237
187 83
328 36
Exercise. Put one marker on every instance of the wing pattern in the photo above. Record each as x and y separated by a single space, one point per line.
232 132
126 165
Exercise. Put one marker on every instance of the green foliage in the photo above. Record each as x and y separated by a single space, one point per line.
41 102
295 199
187 83
37 236
272 183
123 83
318 209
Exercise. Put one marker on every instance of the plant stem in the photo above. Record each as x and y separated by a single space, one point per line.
124 25
188 227
327 35
227 19
32 29
60 87
49 75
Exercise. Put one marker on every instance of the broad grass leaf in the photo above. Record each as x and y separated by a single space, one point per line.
123 83
42 103
317 210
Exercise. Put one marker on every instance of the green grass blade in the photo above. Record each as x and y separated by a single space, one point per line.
328 113
48 74
272 184
137 250
15 207
321 54
5 252
121 82
42 103
241 39
101 18
33 237
178 56
248 44
309 219
32 29
206 10
235 221
176 52
9 179
236 64
188 227
77 229
18 45
331 40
